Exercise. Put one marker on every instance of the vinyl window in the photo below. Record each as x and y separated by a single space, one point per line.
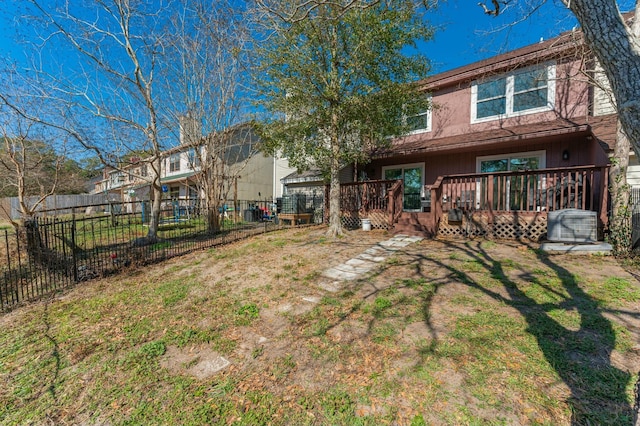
523 92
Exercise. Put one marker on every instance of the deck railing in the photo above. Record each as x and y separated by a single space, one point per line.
366 196
378 200
396 201
545 190
529 192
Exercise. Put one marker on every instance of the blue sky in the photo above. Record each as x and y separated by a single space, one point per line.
464 33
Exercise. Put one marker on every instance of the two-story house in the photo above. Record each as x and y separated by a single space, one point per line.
243 171
507 140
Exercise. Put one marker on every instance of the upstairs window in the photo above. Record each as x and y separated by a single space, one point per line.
174 162
491 98
420 122
117 177
523 92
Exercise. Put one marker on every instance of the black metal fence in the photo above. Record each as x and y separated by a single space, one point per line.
634 205
53 251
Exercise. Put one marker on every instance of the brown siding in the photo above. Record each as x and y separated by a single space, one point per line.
582 151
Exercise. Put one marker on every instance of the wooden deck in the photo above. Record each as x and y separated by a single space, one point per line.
508 205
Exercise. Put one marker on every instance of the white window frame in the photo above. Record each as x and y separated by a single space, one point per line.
426 113
542 157
193 158
510 92
426 129
173 162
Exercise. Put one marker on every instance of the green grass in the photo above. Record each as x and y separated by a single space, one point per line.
475 338
615 289
247 313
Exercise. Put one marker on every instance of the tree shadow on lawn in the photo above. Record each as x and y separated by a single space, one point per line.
581 357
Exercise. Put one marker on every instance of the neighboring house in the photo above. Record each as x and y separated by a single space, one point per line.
309 189
112 183
507 140
249 175
124 184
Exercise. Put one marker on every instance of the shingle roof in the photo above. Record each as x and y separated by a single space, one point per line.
312 175
603 128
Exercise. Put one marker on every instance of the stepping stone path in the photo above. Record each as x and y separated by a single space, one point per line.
358 266
202 362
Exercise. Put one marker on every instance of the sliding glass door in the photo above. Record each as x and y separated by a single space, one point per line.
413 178
511 192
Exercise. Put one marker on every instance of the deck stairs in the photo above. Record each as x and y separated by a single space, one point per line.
414 223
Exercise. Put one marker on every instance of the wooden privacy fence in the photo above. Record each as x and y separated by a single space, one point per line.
56 204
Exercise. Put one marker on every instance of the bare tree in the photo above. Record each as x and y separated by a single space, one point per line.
210 77
108 101
30 166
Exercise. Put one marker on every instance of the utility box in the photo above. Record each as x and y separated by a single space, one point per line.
294 204
455 215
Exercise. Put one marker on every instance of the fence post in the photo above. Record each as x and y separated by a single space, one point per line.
74 256
6 275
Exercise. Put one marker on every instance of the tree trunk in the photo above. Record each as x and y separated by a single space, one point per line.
156 206
213 215
156 202
617 48
210 181
31 236
620 225
212 220
335 221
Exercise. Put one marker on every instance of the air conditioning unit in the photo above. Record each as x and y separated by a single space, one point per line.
572 226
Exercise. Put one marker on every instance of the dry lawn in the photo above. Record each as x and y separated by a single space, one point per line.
441 332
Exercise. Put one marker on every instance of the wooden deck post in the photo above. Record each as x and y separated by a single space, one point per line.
436 204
